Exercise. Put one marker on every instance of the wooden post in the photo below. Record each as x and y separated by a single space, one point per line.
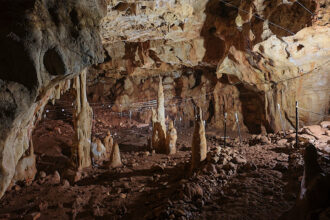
297 124
282 122
225 130
238 128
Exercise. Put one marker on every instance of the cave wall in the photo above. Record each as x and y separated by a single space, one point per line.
276 51
44 44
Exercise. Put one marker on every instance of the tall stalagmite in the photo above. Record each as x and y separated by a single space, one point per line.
83 122
199 146
159 127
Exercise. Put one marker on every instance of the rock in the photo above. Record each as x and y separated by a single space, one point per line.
199 145
54 179
239 160
314 130
99 152
282 167
325 124
26 168
157 168
264 140
171 138
158 121
122 195
108 144
42 174
115 160
193 191
218 150
65 183
32 216
211 168
17 188
83 122
282 142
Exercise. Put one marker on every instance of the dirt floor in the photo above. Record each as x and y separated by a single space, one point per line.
256 179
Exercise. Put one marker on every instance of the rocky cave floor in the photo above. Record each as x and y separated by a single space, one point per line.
258 179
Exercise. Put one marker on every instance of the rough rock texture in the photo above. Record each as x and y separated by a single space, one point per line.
248 55
159 127
26 168
171 138
198 145
108 144
98 151
115 159
42 43
83 122
314 192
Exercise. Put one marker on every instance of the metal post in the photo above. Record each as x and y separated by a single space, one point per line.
130 116
225 130
297 123
282 122
238 128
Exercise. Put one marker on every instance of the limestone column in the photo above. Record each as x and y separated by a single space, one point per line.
199 146
83 122
161 105
171 138
159 127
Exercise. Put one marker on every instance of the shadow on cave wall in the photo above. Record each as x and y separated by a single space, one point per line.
12 30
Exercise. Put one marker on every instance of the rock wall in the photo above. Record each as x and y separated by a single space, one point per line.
43 44
253 54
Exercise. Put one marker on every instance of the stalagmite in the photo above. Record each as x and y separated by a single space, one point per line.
199 146
171 138
314 191
98 150
159 127
108 144
115 160
83 122
161 105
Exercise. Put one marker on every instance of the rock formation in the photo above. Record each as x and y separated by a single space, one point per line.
108 144
244 54
26 168
171 138
314 195
83 122
159 127
44 43
98 151
115 159
161 105
198 145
